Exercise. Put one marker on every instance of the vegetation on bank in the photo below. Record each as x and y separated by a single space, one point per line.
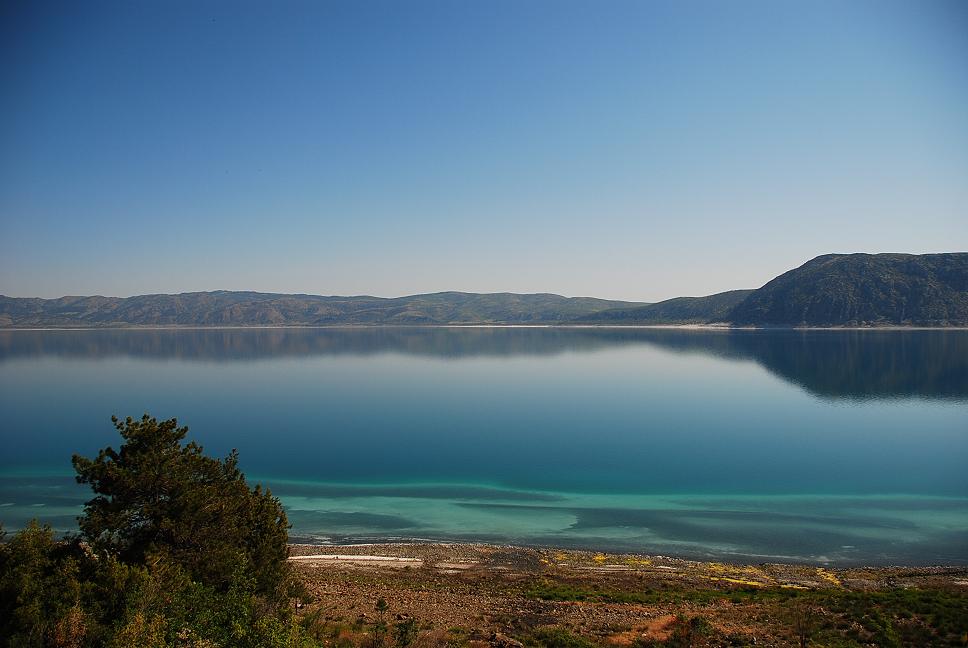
175 549
817 618
827 617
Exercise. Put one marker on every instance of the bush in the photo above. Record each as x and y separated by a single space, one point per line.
557 637
175 549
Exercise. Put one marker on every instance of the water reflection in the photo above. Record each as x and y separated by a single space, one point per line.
830 364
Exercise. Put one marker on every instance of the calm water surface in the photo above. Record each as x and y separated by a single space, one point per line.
842 447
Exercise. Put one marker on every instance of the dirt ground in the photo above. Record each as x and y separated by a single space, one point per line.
469 595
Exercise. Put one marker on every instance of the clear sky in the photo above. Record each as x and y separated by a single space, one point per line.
637 150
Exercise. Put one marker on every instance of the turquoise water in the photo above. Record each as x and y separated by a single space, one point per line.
836 446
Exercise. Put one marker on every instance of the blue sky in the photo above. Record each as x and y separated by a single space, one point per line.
637 150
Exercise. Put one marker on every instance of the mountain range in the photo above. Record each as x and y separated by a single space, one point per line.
828 291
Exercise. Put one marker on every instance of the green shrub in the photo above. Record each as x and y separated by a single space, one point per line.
176 550
558 637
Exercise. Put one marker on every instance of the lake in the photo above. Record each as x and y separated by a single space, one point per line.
841 447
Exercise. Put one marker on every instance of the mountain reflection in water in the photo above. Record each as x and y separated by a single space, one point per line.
848 364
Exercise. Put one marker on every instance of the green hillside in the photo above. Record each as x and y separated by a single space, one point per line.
224 308
863 290
679 310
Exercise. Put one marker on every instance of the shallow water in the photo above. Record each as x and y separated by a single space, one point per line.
837 446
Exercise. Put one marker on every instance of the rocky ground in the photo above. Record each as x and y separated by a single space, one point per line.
482 595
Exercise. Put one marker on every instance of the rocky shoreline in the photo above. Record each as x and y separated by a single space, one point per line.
452 557
479 594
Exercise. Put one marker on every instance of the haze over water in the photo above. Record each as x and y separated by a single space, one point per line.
840 446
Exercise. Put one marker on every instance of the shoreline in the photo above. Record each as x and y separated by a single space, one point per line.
696 327
417 553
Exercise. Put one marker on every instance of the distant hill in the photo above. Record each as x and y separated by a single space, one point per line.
830 290
863 290
679 310
225 308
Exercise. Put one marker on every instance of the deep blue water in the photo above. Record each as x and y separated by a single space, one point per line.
837 446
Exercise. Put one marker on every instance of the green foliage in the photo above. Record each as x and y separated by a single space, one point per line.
179 552
897 617
556 637
157 498
39 589
564 592
405 632
900 617
55 594
380 626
